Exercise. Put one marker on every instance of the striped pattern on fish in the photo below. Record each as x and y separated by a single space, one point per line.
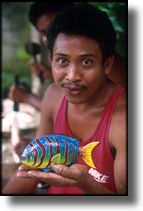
50 150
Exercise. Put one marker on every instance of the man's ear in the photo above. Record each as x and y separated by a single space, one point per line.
108 64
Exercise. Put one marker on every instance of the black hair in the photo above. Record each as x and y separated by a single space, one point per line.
38 9
84 19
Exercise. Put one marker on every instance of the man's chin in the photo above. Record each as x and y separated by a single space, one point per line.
73 99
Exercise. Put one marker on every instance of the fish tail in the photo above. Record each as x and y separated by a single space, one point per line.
86 153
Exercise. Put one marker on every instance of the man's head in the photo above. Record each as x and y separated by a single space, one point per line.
42 13
81 42
86 20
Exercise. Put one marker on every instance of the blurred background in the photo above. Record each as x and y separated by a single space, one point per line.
19 120
16 32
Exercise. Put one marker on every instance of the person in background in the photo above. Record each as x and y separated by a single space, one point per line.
40 15
85 104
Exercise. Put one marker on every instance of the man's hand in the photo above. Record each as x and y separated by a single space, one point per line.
18 94
74 175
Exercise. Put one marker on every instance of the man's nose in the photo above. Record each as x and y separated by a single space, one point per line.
73 73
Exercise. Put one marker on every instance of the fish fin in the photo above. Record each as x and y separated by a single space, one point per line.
56 159
47 169
86 152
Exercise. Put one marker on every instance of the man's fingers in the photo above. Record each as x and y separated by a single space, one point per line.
24 168
22 174
72 172
52 178
63 176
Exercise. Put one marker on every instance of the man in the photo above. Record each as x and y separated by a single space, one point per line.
83 104
40 16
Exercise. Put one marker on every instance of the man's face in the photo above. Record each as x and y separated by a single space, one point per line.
42 26
77 67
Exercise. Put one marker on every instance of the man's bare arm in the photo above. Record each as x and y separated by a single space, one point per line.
19 185
119 143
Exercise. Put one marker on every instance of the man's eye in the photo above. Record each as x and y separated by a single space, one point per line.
62 61
87 61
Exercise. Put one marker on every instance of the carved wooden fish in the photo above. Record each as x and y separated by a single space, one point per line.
55 149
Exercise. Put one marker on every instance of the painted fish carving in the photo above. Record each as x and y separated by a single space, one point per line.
50 150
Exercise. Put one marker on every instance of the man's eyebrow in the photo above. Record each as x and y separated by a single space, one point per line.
60 54
88 55
82 55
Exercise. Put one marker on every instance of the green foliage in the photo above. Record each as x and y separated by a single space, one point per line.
21 54
117 12
16 32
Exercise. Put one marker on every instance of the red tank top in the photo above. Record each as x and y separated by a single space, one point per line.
101 154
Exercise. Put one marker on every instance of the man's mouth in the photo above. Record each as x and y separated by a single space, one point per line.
73 89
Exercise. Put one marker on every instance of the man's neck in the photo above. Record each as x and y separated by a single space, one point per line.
97 101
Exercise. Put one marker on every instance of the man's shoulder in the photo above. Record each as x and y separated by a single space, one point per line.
121 106
53 90
119 121
53 95
122 103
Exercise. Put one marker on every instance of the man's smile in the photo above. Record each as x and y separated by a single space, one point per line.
73 89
